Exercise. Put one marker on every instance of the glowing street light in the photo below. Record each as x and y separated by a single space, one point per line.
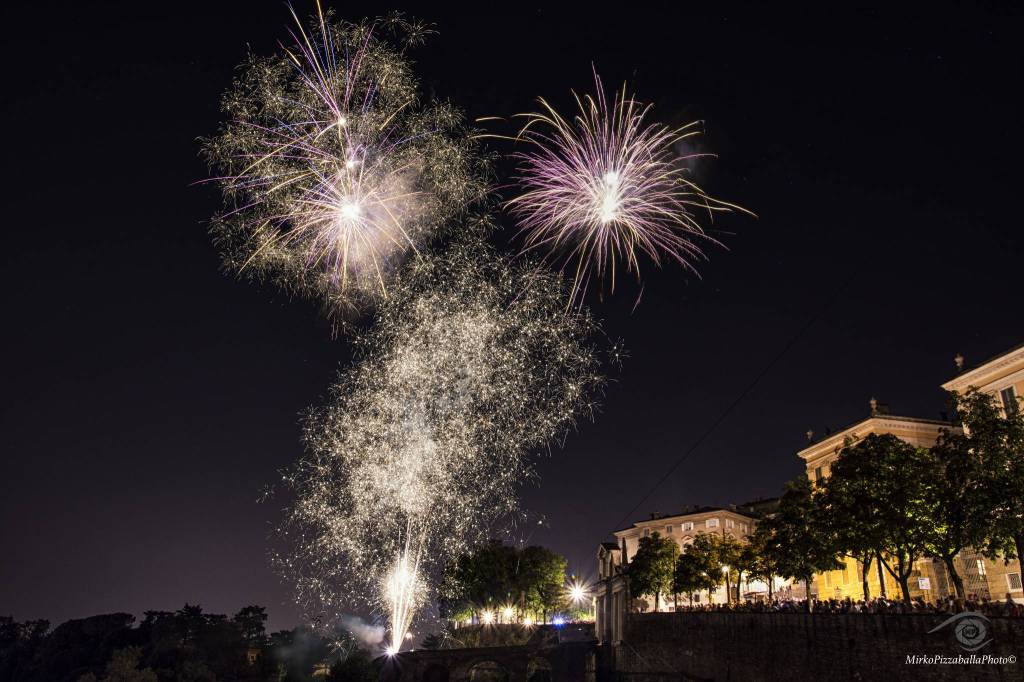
577 592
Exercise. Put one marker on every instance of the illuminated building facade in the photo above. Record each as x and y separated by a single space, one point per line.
1003 378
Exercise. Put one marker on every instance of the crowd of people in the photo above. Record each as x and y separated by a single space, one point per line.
949 605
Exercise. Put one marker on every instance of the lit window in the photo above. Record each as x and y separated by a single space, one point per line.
688 525
981 566
1009 398
729 523
668 530
711 523
1013 582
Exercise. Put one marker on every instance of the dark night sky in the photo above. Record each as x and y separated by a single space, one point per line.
148 399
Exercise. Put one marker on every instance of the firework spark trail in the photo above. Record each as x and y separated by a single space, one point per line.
332 171
604 187
471 365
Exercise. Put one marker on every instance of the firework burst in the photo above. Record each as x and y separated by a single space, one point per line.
604 188
332 171
471 365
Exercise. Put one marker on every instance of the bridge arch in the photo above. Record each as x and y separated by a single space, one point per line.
538 670
488 671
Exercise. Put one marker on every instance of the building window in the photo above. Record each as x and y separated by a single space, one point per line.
743 528
668 530
817 473
688 525
1013 582
711 523
647 532
981 566
729 523
1009 398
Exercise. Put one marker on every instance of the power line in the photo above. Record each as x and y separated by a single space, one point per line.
728 410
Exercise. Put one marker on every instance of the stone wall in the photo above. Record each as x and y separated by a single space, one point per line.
795 646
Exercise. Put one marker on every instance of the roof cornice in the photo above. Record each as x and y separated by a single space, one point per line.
878 423
981 374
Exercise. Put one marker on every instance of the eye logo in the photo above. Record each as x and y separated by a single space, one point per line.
970 629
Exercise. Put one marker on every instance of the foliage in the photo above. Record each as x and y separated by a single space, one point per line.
180 646
531 580
653 566
123 667
878 493
357 666
958 502
997 441
764 564
698 567
797 541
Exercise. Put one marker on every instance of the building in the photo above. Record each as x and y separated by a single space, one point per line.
819 455
1003 378
611 594
929 577
733 521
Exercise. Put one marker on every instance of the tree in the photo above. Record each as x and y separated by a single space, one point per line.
857 527
800 542
357 666
539 580
764 565
730 556
997 441
251 622
480 578
693 572
704 554
650 571
433 641
744 563
881 482
958 500
496 575
123 667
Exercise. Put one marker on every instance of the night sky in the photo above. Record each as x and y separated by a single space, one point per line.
149 399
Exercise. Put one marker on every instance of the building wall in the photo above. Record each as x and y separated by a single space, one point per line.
819 456
684 528
998 377
729 523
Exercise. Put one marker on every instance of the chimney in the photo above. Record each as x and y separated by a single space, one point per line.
959 360
810 436
874 406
